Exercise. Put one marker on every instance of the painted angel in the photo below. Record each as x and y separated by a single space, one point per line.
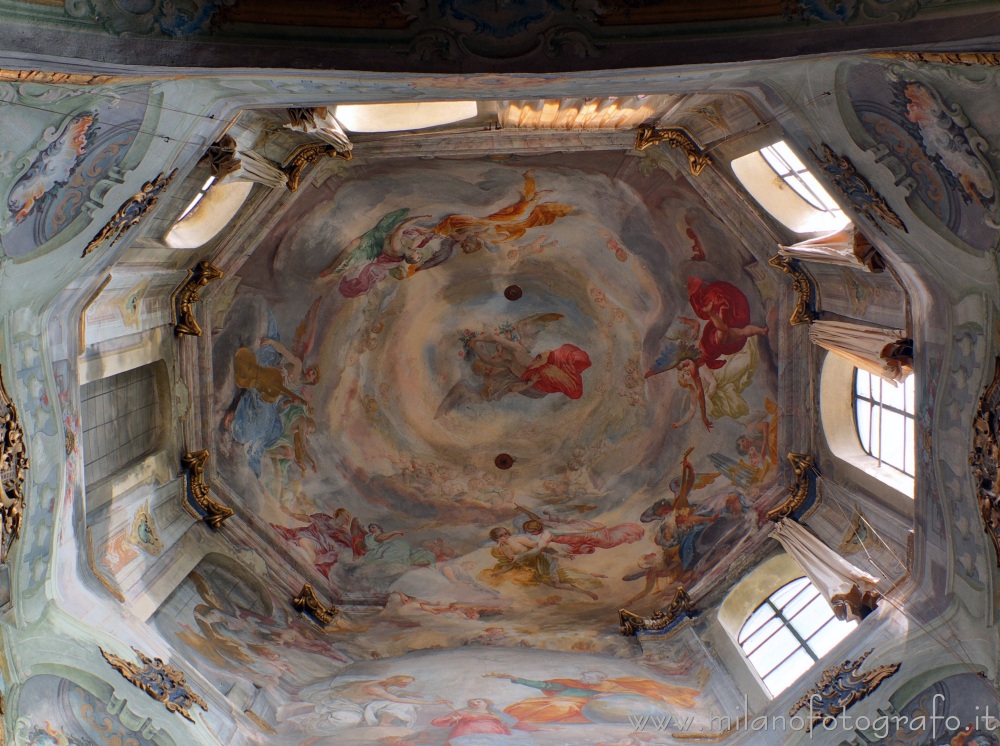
503 363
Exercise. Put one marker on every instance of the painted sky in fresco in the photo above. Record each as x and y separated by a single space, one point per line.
370 369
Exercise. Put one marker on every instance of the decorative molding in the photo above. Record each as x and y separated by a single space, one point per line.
161 682
648 135
307 603
49 78
839 688
803 312
303 155
987 59
197 490
856 189
985 458
131 211
681 607
13 464
800 490
182 300
92 564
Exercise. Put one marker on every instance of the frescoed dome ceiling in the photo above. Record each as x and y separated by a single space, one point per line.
372 373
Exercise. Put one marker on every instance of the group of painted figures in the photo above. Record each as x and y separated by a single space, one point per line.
272 415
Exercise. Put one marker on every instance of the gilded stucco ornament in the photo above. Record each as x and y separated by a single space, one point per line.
856 189
13 464
303 155
803 312
161 682
185 296
675 138
985 458
131 211
839 688
308 603
630 623
197 490
987 59
800 491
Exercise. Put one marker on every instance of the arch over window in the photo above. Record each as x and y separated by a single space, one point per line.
885 418
783 186
790 631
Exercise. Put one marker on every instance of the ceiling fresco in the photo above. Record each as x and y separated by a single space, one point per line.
371 375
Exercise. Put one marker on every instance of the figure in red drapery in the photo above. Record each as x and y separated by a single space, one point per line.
726 309
558 371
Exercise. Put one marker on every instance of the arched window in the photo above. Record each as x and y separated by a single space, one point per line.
885 418
783 186
789 632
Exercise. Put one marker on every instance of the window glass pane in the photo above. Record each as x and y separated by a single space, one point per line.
893 436
784 152
762 635
781 597
811 618
862 383
892 396
796 605
833 632
908 388
772 652
756 620
876 422
863 411
820 195
785 674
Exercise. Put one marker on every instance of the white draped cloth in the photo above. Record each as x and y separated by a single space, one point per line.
850 591
846 248
862 345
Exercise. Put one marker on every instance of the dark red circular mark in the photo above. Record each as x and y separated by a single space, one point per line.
504 461
512 292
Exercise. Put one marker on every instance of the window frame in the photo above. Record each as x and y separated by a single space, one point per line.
909 401
787 622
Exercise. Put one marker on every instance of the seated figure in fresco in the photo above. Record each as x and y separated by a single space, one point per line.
479 717
528 559
503 363
382 547
575 700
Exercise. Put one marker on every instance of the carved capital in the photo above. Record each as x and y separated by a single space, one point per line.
13 465
185 296
303 155
648 135
308 603
197 490
839 688
161 682
131 211
630 623
803 312
800 490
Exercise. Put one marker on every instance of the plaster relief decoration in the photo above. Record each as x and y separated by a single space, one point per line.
131 212
682 607
161 682
54 711
64 148
371 369
855 188
803 492
647 136
13 465
958 710
804 311
839 688
307 603
175 19
931 142
985 458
